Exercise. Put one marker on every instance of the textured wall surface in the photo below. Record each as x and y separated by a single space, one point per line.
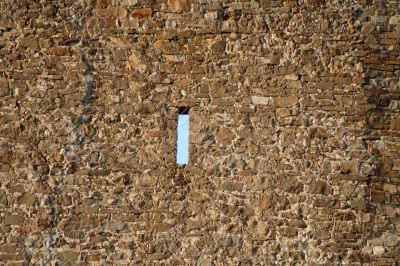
294 132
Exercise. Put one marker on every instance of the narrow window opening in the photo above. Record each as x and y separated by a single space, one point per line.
182 154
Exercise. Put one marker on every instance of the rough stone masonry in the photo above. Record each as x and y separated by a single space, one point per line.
294 132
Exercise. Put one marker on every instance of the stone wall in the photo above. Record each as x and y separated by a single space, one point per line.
294 123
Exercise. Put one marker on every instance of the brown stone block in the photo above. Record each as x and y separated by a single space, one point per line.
3 197
392 62
103 3
396 199
60 51
162 227
8 248
107 22
291 185
13 220
378 197
10 257
297 223
342 80
92 257
393 35
6 155
5 168
92 22
358 79
225 136
120 12
377 122
69 255
143 13
30 42
389 68
27 198
157 133
319 187
323 85
288 231
179 5
163 46
284 102
348 167
370 61
358 204
386 41
144 108
395 125
6 22
49 11
264 203
219 47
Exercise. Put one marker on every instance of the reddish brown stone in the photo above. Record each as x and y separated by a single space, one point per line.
60 51
92 258
370 61
392 62
378 197
157 133
143 13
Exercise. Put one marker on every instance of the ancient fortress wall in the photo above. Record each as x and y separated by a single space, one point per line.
294 132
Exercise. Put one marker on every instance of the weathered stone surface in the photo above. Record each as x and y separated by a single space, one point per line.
265 202
13 220
283 112
6 22
115 226
27 198
349 167
142 13
260 100
291 185
394 20
219 47
294 132
69 255
146 181
358 204
231 186
288 101
145 108
179 5
319 187
378 250
120 12
3 197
